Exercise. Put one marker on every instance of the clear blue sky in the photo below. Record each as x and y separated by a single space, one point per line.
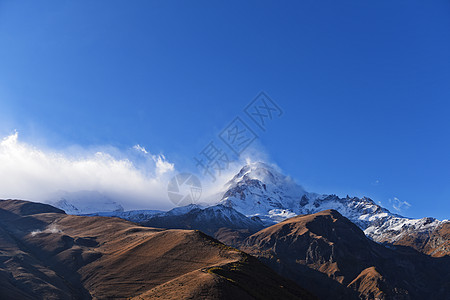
364 85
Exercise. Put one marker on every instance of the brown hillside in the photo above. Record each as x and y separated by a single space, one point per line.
45 253
333 258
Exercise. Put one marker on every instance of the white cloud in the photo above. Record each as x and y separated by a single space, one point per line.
27 172
51 229
134 178
162 165
140 148
399 205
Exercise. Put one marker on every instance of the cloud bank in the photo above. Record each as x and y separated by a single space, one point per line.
135 178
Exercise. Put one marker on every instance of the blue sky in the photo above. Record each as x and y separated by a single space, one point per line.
364 87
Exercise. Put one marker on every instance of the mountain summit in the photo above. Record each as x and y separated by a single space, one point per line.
260 190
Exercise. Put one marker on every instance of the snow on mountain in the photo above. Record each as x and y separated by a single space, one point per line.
177 211
392 229
189 216
217 213
137 216
208 219
260 190
85 202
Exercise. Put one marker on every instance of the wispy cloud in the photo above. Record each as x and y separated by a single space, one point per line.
162 165
140 148
51 229
399 205
376 182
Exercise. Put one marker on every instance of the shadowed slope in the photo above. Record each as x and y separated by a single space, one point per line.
333 258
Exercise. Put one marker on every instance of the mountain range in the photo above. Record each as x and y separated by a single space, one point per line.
47 254
264 238
259 196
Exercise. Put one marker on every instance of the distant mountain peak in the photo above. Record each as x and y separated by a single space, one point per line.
85 202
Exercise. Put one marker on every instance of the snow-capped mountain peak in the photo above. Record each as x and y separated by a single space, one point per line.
259 189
